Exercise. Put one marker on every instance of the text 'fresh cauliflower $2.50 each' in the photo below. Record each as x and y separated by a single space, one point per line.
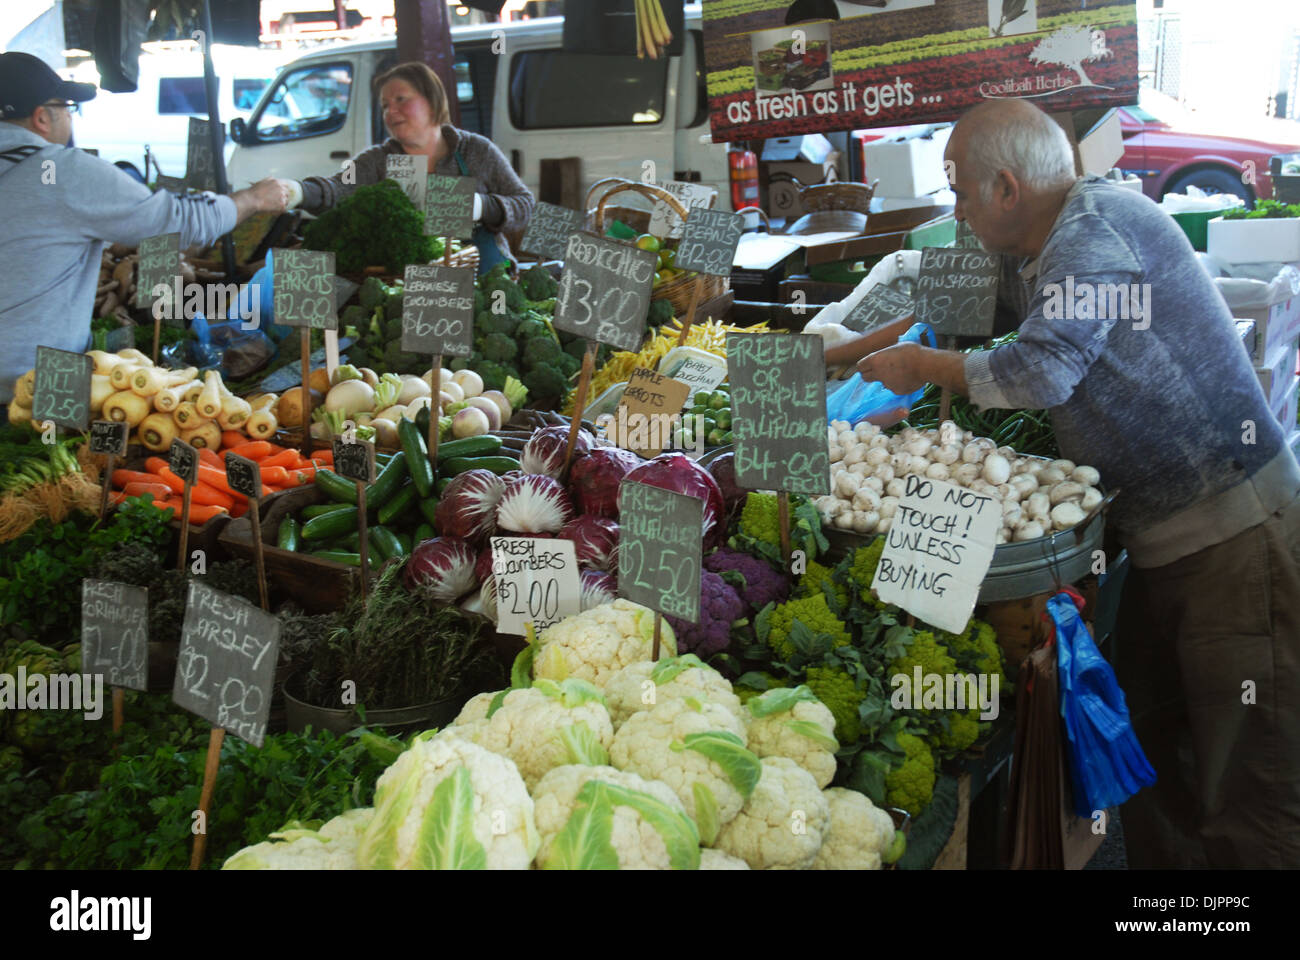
698 749
792 723
298 847
643 685
860 833
597 643
783 823
449 804
594 817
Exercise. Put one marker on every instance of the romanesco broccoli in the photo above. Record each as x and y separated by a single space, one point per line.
978 648
813 613
910 785
841 694
863 570
963 730
810 584
931 656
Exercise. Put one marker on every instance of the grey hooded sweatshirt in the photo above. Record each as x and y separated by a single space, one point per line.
61 206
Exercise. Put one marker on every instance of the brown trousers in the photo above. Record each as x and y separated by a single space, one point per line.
1208 654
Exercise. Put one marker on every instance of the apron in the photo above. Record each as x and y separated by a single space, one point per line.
489 254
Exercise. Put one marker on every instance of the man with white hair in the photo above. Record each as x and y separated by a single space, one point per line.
1164 402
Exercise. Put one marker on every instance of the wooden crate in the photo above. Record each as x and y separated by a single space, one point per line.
320 586
953 854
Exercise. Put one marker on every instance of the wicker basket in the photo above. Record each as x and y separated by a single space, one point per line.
855 197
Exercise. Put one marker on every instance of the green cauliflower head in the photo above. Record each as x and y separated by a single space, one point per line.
794 724
842 695
860 833
910 784
813 613
783 823
642 685
924 651
597 643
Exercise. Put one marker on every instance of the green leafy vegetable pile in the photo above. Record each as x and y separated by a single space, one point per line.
375 225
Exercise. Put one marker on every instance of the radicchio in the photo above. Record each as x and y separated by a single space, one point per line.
595 540
594 479
483 565
534 503
723 469
597 588
469 505
442 568
680 474
544 451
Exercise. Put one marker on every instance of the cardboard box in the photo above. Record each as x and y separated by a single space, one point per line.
1290 406
1277 375
1275 324
806 173
1096 137
809 159
906 166
1254 241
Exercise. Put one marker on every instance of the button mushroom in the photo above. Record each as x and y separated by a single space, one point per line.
1066 515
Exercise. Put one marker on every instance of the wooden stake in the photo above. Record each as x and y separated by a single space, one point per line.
783 518
435 431
157 335
215 739
185 528
363 547
306 392
254 515
696 292
659 627
119 704
107 487
580 401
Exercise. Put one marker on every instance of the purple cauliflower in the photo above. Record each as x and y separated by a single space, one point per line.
720 607
756 581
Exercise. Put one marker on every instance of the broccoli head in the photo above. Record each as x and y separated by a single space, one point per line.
512 298
576 347
375 224
924 651
540 351
499 347
397 360
531 328
355 316
910 785
538 284
461 363
569 365
372 294
486 322
498 271
545 381
494 374
660 313
480 300
393 308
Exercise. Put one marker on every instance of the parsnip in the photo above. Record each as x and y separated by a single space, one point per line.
209 402
101 388
25 388
186 415
126 406
157 431
131 353
234 412
122 373
261 424
104 362
207 434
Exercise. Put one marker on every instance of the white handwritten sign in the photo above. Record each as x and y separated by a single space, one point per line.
664 221
537 582
937 551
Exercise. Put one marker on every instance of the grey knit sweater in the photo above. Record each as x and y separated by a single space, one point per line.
507 203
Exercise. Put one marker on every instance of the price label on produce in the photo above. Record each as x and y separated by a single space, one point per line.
957 291
449 206
537 582
438 310
882 304
108 437
244 476
549 229
778 411
605 291
937 551
157 273
62 389
304 289
664 221
661 534
115 633
225 671
709 241
200 165
354 460
411 171
651 405
183 460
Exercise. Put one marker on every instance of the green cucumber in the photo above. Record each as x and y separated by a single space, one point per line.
407 542
335 487
287 536
454 465
429 509
394 508
387 483
417 456
333 524
423 532
339 556
385 543
483 446
441 486
320 509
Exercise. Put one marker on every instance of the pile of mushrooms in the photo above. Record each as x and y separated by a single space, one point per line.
1038 496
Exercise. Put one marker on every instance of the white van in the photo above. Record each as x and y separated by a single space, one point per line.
169 91
617 114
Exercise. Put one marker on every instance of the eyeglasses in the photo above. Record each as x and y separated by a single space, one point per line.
70 106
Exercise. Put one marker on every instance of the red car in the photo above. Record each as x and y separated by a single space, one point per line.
1171 147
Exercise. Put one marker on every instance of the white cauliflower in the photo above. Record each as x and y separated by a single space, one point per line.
717 860
597 643
298 847
644 684
599 817
698 749
791 722
860 833
783 822
546 726
476 708
448 804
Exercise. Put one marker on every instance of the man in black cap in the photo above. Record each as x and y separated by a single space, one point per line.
62 206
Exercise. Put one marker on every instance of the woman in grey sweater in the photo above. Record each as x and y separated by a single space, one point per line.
416 116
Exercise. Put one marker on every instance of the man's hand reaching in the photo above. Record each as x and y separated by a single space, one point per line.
265 196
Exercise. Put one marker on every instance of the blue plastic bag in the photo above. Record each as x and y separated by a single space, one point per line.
857 400
1107 765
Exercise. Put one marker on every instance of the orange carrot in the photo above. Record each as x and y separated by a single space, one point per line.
325 456
218 480
154 464
232 438
210 496
209 457
285 458
239 509
122 477
254 449
135 488
199 513
163 472
298 478
275 476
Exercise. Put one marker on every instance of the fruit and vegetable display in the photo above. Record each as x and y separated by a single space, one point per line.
869 467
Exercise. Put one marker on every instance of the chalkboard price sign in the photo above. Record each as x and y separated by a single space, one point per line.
355 461
109 437
244 476
438 310
62 390
200 167
449 206
225 671
966 239
605 291
660 537
882 304
778 396
183 460
304 289
115 632
957 291
549 229
412 174
159 266
709 241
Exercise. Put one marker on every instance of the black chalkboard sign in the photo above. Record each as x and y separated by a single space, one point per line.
449 206
157 271
605 291
62 391
709 241
882 304
549 229
115 633
438 310
778 407
355 461
304 289
109 437
659 545
966 239
244 476
957 291
200 167
225 671
183 460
